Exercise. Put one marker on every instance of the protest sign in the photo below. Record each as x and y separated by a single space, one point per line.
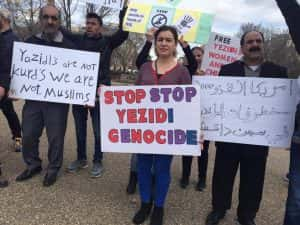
219 50
113 4
194 24
54 74
259 111
150 119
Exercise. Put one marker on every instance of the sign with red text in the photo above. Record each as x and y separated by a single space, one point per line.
220 50
53 74
258 111
150 119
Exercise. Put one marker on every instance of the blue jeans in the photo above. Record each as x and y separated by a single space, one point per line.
80 114
161 165
292 214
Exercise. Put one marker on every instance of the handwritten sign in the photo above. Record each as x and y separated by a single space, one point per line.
219 50
54 74
257 111
150 119
194 24
113 4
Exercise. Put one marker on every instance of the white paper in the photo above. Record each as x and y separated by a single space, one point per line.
53 74
180 117
184 24
259 111
220 49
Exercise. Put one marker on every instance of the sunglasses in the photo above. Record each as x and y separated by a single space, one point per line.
47 17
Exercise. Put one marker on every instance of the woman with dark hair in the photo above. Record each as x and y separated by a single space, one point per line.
143 57
198 53
165 70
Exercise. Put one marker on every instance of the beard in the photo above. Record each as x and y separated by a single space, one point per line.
50 32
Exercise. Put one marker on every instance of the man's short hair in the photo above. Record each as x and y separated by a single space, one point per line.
49 5
242 42
95 16
5 14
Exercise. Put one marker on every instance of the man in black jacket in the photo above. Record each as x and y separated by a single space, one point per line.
37 115
93 40
6 105
291 12
251 158
3 181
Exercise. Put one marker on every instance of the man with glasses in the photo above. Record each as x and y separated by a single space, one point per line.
251 158
37 115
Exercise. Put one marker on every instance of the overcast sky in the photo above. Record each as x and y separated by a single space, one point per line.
230 14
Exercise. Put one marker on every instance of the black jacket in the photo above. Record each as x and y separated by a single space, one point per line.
268 70
291 11
66 43
103 44
6 50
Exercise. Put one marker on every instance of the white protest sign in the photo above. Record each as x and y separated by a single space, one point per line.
184 24
150 119
219 50
259 111
113 4
54 74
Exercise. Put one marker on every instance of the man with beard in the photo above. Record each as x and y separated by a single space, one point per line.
93 40
291 12
6 105
37 115
251 158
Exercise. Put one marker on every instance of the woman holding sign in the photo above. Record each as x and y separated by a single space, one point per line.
164 70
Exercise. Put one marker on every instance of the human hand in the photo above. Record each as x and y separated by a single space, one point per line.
150 34
182 42
200 72
2 92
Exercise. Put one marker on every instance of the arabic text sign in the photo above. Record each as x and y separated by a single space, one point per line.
220 50
257 111
150 119
113 4
54 74
194 25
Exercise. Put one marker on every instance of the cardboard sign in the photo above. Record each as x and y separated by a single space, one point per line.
258 111
219 50
150 119
54 74
195 25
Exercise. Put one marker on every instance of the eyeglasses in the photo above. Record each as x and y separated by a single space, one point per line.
47 17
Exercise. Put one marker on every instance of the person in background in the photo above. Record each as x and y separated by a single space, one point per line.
165 70
6 104
291 11
3 89
198 53
93 40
